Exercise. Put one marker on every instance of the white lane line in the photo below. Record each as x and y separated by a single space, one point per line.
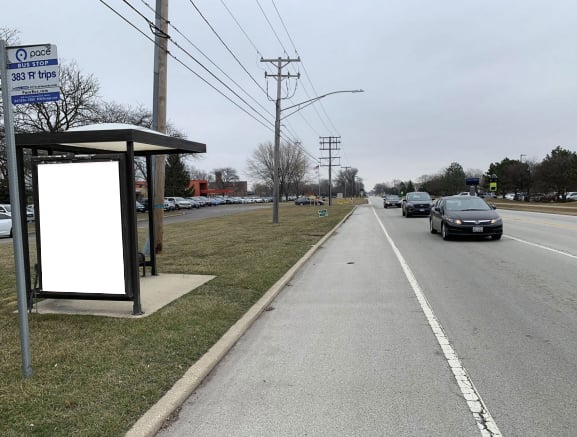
540 246
481 414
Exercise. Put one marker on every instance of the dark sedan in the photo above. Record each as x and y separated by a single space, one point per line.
303 200
466 216
416 203
392 200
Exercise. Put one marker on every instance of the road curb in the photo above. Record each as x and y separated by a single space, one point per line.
151 422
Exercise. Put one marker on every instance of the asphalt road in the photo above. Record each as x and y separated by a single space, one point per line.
389 330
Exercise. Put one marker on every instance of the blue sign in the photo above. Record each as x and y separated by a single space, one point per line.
472 181
33 74
36 98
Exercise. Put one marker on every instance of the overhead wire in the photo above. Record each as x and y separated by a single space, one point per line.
226 46
152 25
271 27
212 62
306 73
251 42
268 126
229 50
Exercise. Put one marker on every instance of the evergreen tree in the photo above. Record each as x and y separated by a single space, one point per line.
177 178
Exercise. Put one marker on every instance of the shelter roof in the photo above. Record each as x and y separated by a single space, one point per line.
109 138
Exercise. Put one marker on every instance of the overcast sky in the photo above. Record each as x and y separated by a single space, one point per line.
448 81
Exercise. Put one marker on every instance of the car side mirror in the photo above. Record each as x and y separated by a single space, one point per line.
493 206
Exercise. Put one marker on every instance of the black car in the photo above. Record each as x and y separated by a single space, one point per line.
465 216
392 200
303 200
416 203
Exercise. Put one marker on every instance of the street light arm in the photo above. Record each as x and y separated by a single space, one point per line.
306 103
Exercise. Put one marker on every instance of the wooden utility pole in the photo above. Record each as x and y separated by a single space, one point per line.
159 120
280 63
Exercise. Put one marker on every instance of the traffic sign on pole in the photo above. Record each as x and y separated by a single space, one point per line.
33 74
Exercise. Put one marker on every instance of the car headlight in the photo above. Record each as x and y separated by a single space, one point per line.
496 220
455 221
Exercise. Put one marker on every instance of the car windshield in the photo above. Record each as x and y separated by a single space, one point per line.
466 204
418 196
393 197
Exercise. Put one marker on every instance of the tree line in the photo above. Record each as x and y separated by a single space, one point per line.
550 179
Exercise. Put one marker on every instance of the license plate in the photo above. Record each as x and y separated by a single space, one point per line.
422 210
477 228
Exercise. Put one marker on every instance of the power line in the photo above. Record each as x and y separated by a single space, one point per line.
212 62
251 42
241 29
226 46
190 69
306 74
271 26
283 25
268 126
196 60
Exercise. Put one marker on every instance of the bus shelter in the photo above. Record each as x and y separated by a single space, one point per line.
83 184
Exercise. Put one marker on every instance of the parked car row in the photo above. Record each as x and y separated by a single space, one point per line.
7 209
173 203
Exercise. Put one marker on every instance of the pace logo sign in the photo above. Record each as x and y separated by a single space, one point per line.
33 74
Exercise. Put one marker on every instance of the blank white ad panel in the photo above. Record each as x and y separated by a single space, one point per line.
81 228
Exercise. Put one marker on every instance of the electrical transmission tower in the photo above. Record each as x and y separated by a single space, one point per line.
331 144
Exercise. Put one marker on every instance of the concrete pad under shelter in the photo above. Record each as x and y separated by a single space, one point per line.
155 293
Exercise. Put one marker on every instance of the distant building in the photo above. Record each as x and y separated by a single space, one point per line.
141 190
234 188
202 187
199 187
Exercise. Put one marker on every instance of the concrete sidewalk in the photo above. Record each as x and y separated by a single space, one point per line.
151 422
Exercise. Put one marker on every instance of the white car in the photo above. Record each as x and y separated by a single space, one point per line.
179 202
5 225
571 195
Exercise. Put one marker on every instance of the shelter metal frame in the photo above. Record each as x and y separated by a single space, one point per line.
100 142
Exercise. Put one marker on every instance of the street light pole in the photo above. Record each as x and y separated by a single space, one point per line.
298 106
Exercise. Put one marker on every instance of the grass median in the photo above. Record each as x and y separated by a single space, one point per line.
95 376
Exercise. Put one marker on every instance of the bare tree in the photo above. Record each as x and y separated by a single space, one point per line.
112 112
78 105
292 171
260 166
201 175
223 177
345 181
